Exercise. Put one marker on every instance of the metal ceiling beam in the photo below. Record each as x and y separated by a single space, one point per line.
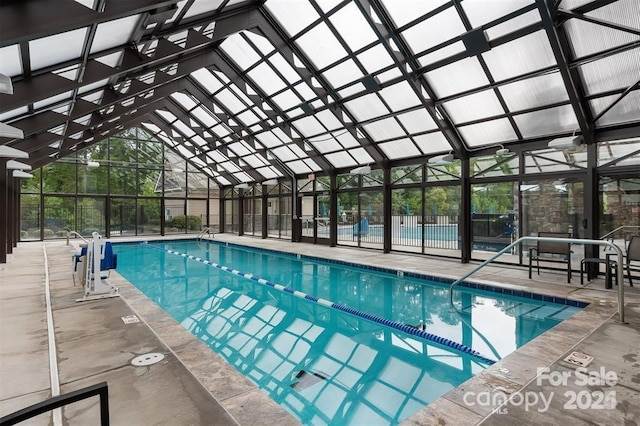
27 20
571 14
386 32
561 53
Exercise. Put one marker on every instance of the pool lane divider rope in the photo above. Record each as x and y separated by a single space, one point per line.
371 317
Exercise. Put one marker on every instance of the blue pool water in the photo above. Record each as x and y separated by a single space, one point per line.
324 365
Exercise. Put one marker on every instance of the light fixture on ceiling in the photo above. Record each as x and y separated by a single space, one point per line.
441 159
6 86
567 142
242 185
270 182
92 164
7 131
364 170
502 151
21 174
17 165
8 152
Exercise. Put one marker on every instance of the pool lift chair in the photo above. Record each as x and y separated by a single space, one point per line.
97 256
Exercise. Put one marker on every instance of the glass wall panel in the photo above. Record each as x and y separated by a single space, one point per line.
273 217
149 154
90 216
122 151
59 178
285 216
59 216
247 220
406 219
230 220
307 216
29 216
493 215
324 216
197 212
122 181
123 217
620 208
441 232
149 183
92 180
148 216
257 221
175 221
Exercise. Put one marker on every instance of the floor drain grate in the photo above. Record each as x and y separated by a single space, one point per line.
147 359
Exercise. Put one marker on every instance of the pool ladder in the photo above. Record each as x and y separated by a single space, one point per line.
206 230
619 273
69 233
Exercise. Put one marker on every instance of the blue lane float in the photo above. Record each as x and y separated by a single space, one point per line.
371 317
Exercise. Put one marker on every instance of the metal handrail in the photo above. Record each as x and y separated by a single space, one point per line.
619 274
100 389
206 230
619 228
69 233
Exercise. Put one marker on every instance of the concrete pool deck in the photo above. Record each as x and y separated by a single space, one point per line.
192 385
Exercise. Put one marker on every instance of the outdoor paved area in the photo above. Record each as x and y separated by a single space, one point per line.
194 386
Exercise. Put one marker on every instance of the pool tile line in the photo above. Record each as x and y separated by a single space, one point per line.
442 341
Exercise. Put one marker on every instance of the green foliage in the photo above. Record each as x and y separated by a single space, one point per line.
24 234
193 223
48 233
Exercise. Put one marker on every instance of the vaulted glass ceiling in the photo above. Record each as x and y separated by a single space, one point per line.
254 90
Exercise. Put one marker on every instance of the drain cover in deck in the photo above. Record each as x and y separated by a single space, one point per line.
579 359
147 359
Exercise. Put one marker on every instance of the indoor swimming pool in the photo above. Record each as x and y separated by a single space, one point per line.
330 342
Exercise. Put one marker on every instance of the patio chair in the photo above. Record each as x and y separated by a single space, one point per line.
548 252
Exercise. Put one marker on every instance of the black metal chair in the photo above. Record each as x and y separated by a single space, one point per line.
633 255
547 251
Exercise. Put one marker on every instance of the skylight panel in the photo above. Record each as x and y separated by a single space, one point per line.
248 118
405 11
361 155
417 121
547 121
262 43
494 131
221 130
92 86
207 80
205 118
321 46
375 59
301 167
305 91
114 33
457 77
202 6
240 149
346 139
352 27
230 101
329 120
326 144
587 38
181 5
384 129
10 61
56 48
525 54
442 53
254 161
431 143
240 51
366 107
343 73
475 106
627 110
186 130
613 72
283 67
52 100
186 101
294 16
268 172
230 166
399 96
13 113
483 12
239 93
309 126
167 116
402 148
284 153
286 100
340 159
267 79
268 139
297 151
433 31
352 90
513 24
533 92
